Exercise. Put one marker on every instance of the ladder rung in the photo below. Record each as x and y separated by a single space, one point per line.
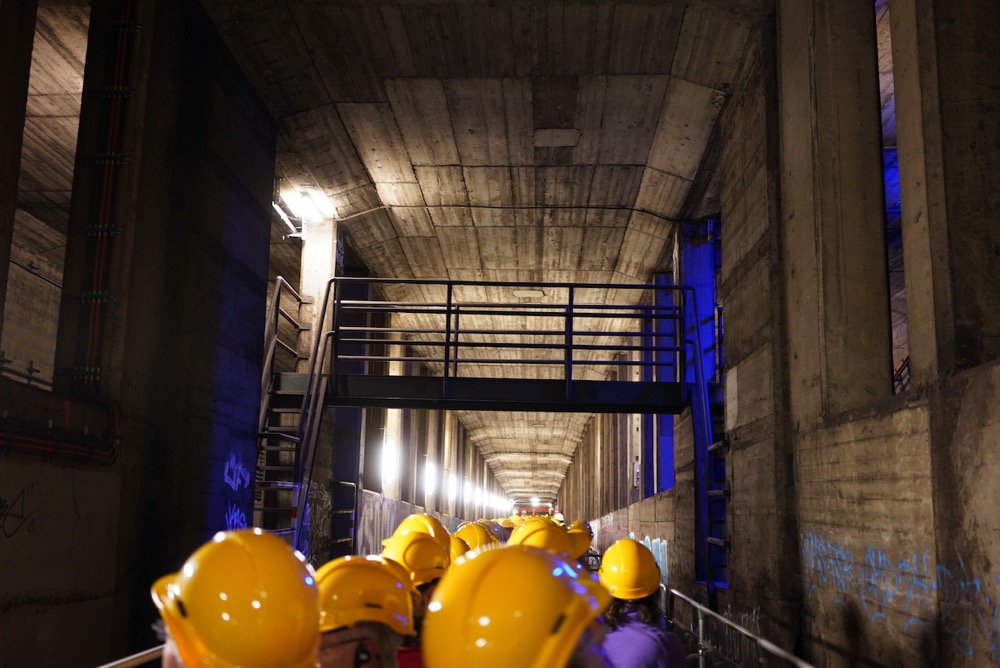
342 512
279 448
276 484
278 468
718 445
718 492
272 509
277 434
721 542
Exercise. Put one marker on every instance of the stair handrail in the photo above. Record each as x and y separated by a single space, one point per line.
274 311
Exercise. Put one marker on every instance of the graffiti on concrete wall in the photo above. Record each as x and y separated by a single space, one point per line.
20 513
236 490
658 546
235 474
901 591
376 521
235 518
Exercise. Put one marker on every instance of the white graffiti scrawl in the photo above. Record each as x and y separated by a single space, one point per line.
235 473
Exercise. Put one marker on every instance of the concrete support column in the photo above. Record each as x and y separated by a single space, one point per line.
833 207
319 263
948 127
17 35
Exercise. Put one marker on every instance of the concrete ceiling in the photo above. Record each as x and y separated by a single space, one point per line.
502 141
467 139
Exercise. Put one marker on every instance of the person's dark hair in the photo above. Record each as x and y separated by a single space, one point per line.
647 609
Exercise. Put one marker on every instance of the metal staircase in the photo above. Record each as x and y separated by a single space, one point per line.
277 479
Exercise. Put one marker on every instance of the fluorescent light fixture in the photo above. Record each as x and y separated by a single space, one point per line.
478 496
467 492
309 206
528 292
535 500
452 487
284 217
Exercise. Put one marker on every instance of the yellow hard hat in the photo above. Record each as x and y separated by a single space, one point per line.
628 570
494 528
420 554
458 548
544 534
475 612
581 535
245 599
506 523
580 540
426 524
475 535
365 589
581 525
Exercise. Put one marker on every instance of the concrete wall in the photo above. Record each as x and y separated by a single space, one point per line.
180 354
759 467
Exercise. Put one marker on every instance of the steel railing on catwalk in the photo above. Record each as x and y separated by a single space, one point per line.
489 345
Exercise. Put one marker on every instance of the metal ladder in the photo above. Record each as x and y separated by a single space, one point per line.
277 478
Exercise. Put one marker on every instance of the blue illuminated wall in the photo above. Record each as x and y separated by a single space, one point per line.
894 251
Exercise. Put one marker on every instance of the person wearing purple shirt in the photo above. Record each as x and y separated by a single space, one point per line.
636 638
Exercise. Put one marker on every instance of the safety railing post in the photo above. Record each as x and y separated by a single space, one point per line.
445 384
568 346
701 638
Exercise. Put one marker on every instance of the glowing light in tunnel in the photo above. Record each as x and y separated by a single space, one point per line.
390 462
430 478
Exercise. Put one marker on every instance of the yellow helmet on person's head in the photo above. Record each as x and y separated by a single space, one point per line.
245 599
581 525
494 528
420 554
475 612
475 535
581 535
458 548
356 589
544 534
423 523
628 570
580 540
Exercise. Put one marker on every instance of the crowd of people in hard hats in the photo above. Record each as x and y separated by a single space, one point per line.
510 592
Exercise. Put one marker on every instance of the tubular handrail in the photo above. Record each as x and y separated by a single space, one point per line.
703 645
137 659
606 333
271 340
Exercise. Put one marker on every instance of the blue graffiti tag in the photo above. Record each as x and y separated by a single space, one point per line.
902 592
235 518
235 473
